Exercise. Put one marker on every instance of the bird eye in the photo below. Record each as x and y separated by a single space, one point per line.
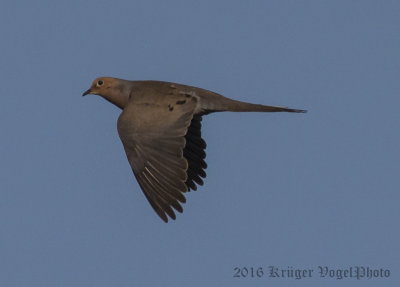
99 83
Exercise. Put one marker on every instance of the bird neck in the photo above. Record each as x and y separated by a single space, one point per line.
117 96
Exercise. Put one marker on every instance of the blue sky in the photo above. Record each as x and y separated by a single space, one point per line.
284 190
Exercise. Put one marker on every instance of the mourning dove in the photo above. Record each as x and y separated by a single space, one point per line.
160 129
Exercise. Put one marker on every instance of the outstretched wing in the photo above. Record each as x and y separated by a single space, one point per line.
154 136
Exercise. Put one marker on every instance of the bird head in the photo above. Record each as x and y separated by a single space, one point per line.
113 90
100 86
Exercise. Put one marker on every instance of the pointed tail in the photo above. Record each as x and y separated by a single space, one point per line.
237 106
226 104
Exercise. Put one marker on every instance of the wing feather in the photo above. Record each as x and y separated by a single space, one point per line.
167 160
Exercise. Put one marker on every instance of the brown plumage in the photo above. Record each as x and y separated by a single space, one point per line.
160 129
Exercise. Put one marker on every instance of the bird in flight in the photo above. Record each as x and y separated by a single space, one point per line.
160 129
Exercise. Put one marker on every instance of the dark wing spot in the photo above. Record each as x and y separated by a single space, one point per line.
180 102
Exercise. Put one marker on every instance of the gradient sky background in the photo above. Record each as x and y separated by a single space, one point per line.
298 190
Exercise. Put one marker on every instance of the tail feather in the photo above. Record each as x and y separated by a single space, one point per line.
248 107
226 104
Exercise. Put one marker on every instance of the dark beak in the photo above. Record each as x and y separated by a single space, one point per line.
87 92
